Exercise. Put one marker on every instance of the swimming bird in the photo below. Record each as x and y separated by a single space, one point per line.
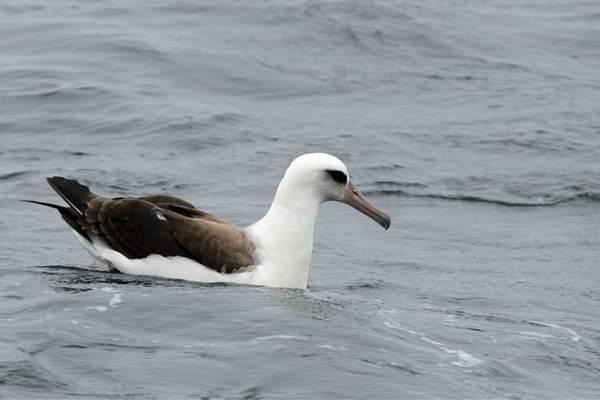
166 236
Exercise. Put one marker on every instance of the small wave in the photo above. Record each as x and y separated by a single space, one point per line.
279 337
458 78
27 374
401 184
368 284
134 50
553 145
184 8
391 364
23 9
12 175
465 360
535 335
385 167
589 196
75 153
62 94
332 347
574 335
195 124
71 278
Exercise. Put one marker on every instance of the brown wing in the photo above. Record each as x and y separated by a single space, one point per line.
158 224
138 228
179 206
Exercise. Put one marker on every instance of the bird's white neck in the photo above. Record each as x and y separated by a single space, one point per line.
284 236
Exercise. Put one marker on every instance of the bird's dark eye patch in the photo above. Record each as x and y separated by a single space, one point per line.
338 176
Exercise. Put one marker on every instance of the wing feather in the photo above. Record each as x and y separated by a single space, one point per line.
156 224
138 228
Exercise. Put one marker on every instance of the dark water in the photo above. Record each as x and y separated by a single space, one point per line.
476 125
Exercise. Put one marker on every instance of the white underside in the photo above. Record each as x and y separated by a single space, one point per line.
182 268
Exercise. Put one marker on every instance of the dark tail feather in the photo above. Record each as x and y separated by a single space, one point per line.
41 203
74 193
68 214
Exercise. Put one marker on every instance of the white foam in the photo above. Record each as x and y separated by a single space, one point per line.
465 359
330 347
97 308
279 337
115 299
394 325
574 335
536 335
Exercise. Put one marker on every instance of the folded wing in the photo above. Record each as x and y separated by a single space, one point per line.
163 225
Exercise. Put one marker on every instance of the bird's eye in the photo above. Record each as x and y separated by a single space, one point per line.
338 176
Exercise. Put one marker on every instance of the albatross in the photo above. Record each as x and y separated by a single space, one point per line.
165 236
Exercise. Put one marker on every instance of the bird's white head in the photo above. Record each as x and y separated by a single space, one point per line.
323 177
309 173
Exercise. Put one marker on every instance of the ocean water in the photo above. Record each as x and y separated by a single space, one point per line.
475 125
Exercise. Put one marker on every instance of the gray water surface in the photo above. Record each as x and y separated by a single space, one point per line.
475 125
